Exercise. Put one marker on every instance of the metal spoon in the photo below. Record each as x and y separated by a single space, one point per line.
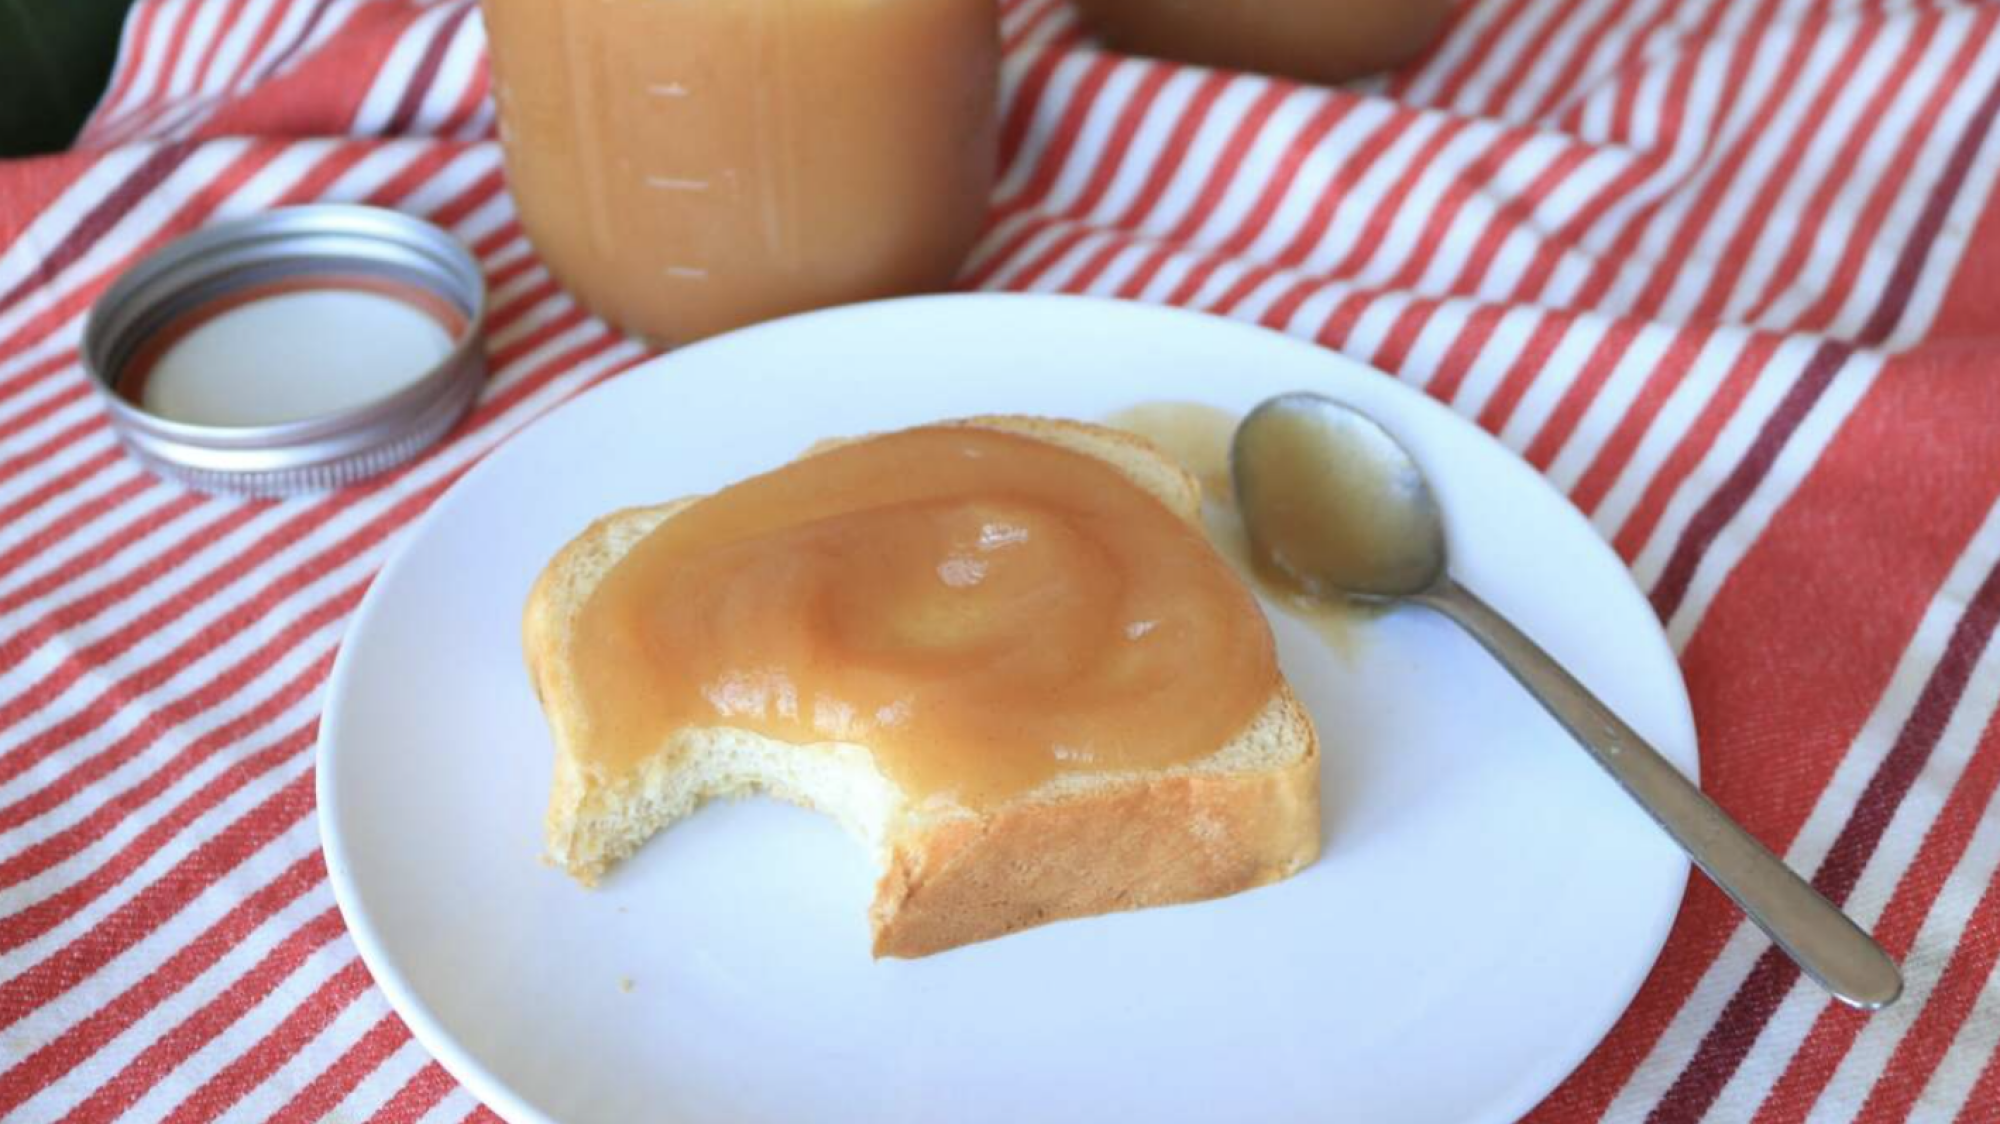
1335 506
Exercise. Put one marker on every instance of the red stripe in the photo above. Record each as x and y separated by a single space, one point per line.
417 1097
1846 275
131 922
38 544
96 1030
419 82
1174 152
227 683
1776 603
1027 103
1570 76
66 309
56 487
333 1084
17 647
1223 172
136 185
1458 359
1477 176
140 29
1454 84
1736 488
223 24
1514 214
1753 1004
1062 136
1799 399
34 372
1595 371
1811 220
40 411
1833 1033
1530 364
52 445
117 1095
45 853
1979 1106
1694 444
1726 171
1622 444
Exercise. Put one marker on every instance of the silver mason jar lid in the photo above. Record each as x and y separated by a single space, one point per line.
290 249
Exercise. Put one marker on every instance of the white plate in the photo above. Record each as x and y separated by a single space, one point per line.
1487 904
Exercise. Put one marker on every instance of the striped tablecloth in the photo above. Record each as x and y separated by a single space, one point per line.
1728 271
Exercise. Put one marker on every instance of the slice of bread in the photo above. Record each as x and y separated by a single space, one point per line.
1080 844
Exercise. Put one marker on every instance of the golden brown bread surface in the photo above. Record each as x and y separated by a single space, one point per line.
1083 844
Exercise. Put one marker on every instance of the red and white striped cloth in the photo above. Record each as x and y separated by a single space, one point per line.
1727 270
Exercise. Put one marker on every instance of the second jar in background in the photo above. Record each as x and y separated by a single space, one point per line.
688 166
1308 40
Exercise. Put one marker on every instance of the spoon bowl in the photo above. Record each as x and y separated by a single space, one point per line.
1337 508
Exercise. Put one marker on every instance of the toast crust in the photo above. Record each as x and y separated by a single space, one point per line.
1241 817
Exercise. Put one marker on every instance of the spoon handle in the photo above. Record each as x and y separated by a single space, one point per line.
1828 945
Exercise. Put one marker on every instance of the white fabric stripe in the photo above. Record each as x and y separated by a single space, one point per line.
1483 207
1173 270
198 171
1257 302
189 678
101 849
1731 442
1943 924
1610 406
1148 141
257 1023
1120 269
201 31
392 79
18 486
1029 251
1801 451
549 393
60 342
1945 134
1054 104
1677 227
453 1109
174 934
1328 159
1369 195
160 1020
92 533
1972 1048
1410 219
1818 172
313 1058
1954 238
24 527
1551 379
1056 277
373 1093
462 58
1091 137
1447 322
156 865
1483 376
213 608
1524 37
151 58
1845 211
21 258
1279 135
1371 329
229 55
1697 387
1598 74
1685 156
1225 116
1834 806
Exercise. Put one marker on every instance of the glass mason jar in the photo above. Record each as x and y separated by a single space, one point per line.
688 166
1309 40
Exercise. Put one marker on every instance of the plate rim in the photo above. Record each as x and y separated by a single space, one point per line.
1523 1094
